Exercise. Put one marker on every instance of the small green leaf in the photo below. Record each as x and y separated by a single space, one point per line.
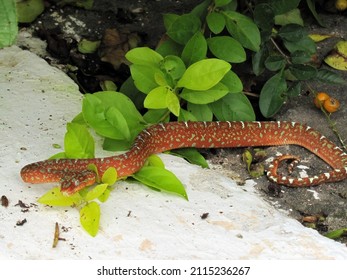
55 198
204 74
335 234
303 72
233 82
205 97
173 103
8 23
243 29
292 16
215 22
201 112
264 16
306 44
78 142
169 47
258 60
328 76
160 179
195 49
221 3
227 48
144 56
294 89
283 6
86 46
155 160
110 176
233 107
312 6
29 10
156 98
90 218
95 192
173 66
192 155
105 195
247 158
183 28
186 116
272 95
292 32
144 77
275 62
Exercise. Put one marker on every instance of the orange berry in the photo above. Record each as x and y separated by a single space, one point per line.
331 105
320 99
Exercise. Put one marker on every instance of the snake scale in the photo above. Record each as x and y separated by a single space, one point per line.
73 174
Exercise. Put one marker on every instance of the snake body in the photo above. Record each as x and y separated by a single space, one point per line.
73 174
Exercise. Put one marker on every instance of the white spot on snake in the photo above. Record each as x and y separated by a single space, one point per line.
162 126
308 128
205 124
327 175
186 124
290 180
146 131
278 124
242 124
229 123
322 137
293 124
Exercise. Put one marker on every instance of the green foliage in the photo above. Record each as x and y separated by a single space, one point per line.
8 23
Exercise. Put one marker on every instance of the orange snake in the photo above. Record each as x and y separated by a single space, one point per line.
73 174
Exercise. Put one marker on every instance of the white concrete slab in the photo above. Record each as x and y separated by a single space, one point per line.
36 101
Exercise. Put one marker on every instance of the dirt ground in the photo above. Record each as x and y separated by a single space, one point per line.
323 207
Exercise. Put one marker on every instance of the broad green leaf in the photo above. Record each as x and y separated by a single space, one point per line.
156 98
303 72
221 3
205 97
233 82
155 160
312 6
116 145
110 176
129 89
8 23
306 44
294 89
29 10
215 22
227 48
58 155
90 218
292 32
292 16
183 28
204 74
169 19
97 113
95 192
78 142
300 57
195 49
264 16
169 47
258 60
201 10
143 76
173 66
144 56
157 115
186 116
243 29
105 195
272 95
173 103
201 112
160 179
327 76
283 6
275 62
192 155
233 107
55 198
86 46
335 234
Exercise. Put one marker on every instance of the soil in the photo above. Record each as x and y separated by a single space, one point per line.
118 22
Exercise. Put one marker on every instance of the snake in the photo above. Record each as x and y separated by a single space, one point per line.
74 175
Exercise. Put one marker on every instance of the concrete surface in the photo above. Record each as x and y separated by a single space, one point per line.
36 101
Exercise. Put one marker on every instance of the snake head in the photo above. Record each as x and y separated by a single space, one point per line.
74 181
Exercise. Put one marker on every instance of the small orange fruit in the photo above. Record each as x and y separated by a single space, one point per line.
320 98
331 105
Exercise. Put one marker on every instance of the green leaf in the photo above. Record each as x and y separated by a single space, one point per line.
173 103
204 74
110 176
306 44
312 6
300 57
272 95
156 115
97 113
258 60
29 10
86 46
283 6
105 195
8 23
169 19
78 142
243 29
221 3
160 179
303 72
201 112
186 116
205 97
169 47
55 198
155 160
195 49
116 145
292 16
264 16
294 89
173 66
144 56
328 76
90 218
233 107
95 192
192 155
275 62
183 28
335 234
215 22
143 76
227 48
292 32
156 98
